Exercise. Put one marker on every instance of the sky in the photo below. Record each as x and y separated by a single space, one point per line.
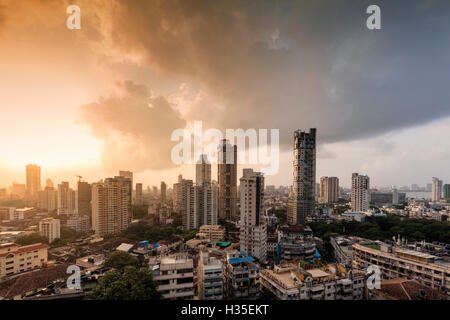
107 97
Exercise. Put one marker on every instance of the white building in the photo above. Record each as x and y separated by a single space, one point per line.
66 199
436 190
360 193
253 229
210 277
50 228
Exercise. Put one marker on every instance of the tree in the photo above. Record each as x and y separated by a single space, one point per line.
31 238
131 284
119 260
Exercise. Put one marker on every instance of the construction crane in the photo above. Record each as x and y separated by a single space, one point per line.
79 178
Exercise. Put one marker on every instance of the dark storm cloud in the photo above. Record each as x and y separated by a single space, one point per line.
300 64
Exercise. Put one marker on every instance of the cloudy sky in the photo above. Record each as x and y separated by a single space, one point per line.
107 97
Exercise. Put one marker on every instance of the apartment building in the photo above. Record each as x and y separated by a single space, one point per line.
50 228
396 262
214 233
295 243
360 193
343 248
80 223
175 276
227 180
16 259
289 282
329 189
210 277
241 277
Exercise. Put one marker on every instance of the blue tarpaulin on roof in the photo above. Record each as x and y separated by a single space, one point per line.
155 245
318 256
243 259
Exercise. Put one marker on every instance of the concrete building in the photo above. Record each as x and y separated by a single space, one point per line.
33 176
289 282
111 210
302 203
189 211
295 243
207 203
227 180
66 199
253 228
48 199
241 277
16 259
210 276
202 170
84 197
396 262
343 248
360 193
163 197
139 200
387 198
79 223
436 190
447 191
329 189
50 228
178 195
213 232
174 275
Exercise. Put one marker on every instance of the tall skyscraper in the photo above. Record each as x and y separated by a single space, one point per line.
253 229
33 173
139 201
227 176
447 191
84 199
189 211
202 170
163 197
302 203
207 205
48 199
360 193
127 179
66 199
178 195
111 210
329 189
436 189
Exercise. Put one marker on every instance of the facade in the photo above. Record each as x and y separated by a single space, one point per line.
288 282
111 210
214 232
253 228
84 199
241 277
139 201
360 193
329 189
33 176
387 198
163 198
227 180
174 275
79 223
302 203
16 259
208 206
436 190
178 195
202 170
447 191
343 248
50 228
210 277
48 199
189 195
295 243
403 263
66 199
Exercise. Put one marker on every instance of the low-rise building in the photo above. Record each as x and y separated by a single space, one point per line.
289 282
295 243
210 277
214 232
241 277
80 223
50 228
174 275
16 259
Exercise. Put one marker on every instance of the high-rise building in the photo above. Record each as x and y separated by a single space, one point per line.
163 197
202 170
48 199
302 203
84 199
253 229
207 205
329 189
33 175
436 189
227 178
447 191
50 228
139 201
178 195
189 211
360 193
111 209
66 199
49 183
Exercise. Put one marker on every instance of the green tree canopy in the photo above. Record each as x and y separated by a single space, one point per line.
119 260
131 284
31 238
